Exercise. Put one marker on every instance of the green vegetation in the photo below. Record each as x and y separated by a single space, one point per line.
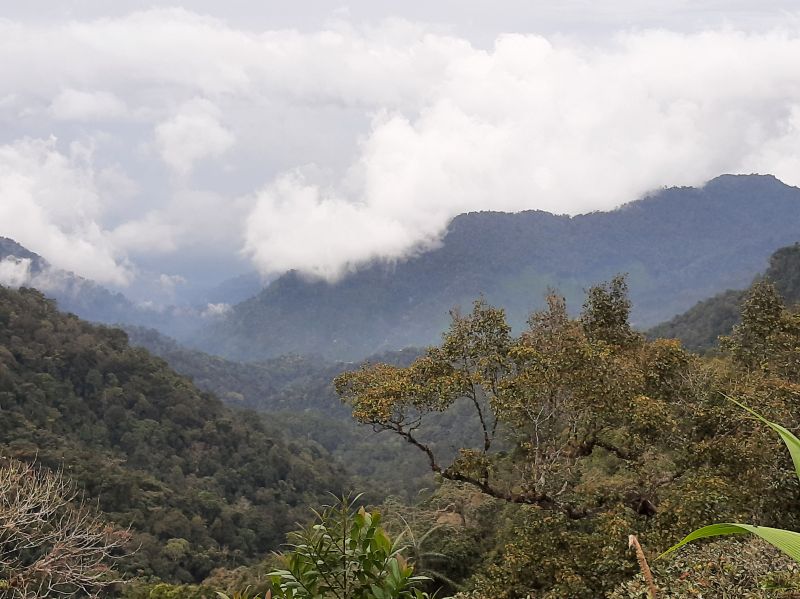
201 486
544 449
298 394
588 432
346 554
785 540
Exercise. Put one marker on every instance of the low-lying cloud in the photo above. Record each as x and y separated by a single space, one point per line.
15 272
322 150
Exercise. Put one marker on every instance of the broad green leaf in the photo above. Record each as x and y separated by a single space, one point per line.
785 540
792 442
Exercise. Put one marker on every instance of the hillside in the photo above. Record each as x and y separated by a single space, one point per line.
679 245
73 293
700 326
201 485
87 299
288 383
297 392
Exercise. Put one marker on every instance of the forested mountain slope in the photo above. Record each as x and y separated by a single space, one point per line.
298 394
89 300
287 383
678 245
201 485
699 327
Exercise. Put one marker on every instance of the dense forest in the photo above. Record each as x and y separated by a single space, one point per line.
298 394
544 449
201 486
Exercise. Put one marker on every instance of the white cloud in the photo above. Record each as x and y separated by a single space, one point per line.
396 127
193 134
15 272
149 234
75 105
169 282
548 125
299 225
215 310
49 204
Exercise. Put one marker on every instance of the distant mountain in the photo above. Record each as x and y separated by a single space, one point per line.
678 245
87 299
201 485
11 249
233 290
700 326
72 292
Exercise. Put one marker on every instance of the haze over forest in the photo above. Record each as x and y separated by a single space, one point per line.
502 279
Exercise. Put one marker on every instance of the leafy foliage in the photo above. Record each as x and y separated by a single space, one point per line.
346 554
731 567
586 432
785 540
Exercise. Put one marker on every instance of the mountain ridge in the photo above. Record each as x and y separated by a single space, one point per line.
678 246
87 298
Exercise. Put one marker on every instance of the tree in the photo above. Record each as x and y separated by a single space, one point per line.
606 312
786 540
51 544
585 433
542 402
751 341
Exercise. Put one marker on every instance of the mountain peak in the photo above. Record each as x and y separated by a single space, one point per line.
752 180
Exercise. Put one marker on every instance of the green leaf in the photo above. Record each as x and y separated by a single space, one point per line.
792 442
785 540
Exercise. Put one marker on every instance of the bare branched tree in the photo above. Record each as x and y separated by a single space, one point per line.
52 544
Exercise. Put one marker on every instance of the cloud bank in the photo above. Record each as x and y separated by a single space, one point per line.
548 125
322 150
15 272
49 203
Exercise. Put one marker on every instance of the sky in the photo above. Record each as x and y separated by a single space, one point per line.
160 147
